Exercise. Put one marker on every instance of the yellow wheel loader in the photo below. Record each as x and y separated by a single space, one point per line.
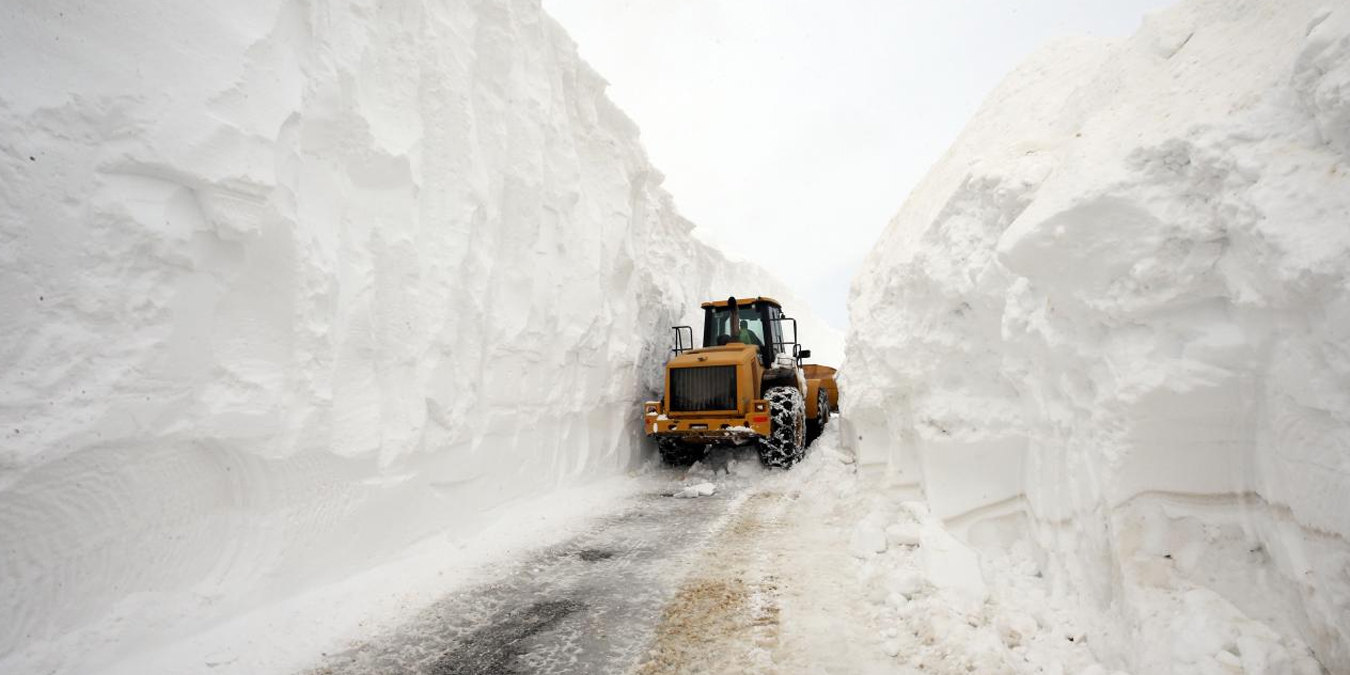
746 384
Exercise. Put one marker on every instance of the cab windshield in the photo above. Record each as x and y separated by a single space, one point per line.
718 329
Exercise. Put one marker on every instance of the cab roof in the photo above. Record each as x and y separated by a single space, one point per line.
742 302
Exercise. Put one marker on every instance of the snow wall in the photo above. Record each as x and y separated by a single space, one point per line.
290 285
1115 318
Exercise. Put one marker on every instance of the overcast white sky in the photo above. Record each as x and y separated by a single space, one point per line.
791 131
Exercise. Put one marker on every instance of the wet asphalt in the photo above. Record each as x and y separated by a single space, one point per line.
588 605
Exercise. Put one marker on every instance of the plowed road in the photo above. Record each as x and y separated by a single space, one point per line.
751 580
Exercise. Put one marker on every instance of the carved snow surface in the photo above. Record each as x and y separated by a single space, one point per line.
291 286
1112 324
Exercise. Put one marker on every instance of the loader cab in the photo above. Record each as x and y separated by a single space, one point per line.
760 326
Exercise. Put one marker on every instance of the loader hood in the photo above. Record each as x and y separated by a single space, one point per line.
727 355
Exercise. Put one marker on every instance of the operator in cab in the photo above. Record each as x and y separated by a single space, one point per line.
748 336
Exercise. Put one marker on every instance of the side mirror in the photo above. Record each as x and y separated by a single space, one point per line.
804 354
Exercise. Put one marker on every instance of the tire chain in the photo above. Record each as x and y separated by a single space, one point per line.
787 410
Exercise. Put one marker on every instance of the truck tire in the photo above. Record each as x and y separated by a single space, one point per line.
816 426
675 453
786 441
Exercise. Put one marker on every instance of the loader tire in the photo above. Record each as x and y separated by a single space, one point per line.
816 426
786 441
675 453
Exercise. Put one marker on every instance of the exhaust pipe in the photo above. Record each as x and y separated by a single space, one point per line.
735 319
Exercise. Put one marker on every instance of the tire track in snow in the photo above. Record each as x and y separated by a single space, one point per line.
725 618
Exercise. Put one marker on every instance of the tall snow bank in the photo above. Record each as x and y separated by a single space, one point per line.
288 286
1118 310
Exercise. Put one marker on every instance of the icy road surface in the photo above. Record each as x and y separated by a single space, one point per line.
744 580
585 606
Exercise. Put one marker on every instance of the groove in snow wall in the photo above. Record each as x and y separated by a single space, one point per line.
288 286
1118 312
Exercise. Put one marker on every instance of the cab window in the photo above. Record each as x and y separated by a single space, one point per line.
718 329
776 328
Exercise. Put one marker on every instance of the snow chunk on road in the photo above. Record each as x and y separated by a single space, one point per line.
1017 629
903 534
951 565
698 490
868 539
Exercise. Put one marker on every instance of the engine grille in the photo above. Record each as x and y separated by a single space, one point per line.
707 388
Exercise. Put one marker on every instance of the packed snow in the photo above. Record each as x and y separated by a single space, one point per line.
291 287
1107 338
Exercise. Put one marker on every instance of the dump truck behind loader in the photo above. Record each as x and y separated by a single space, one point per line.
746 384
